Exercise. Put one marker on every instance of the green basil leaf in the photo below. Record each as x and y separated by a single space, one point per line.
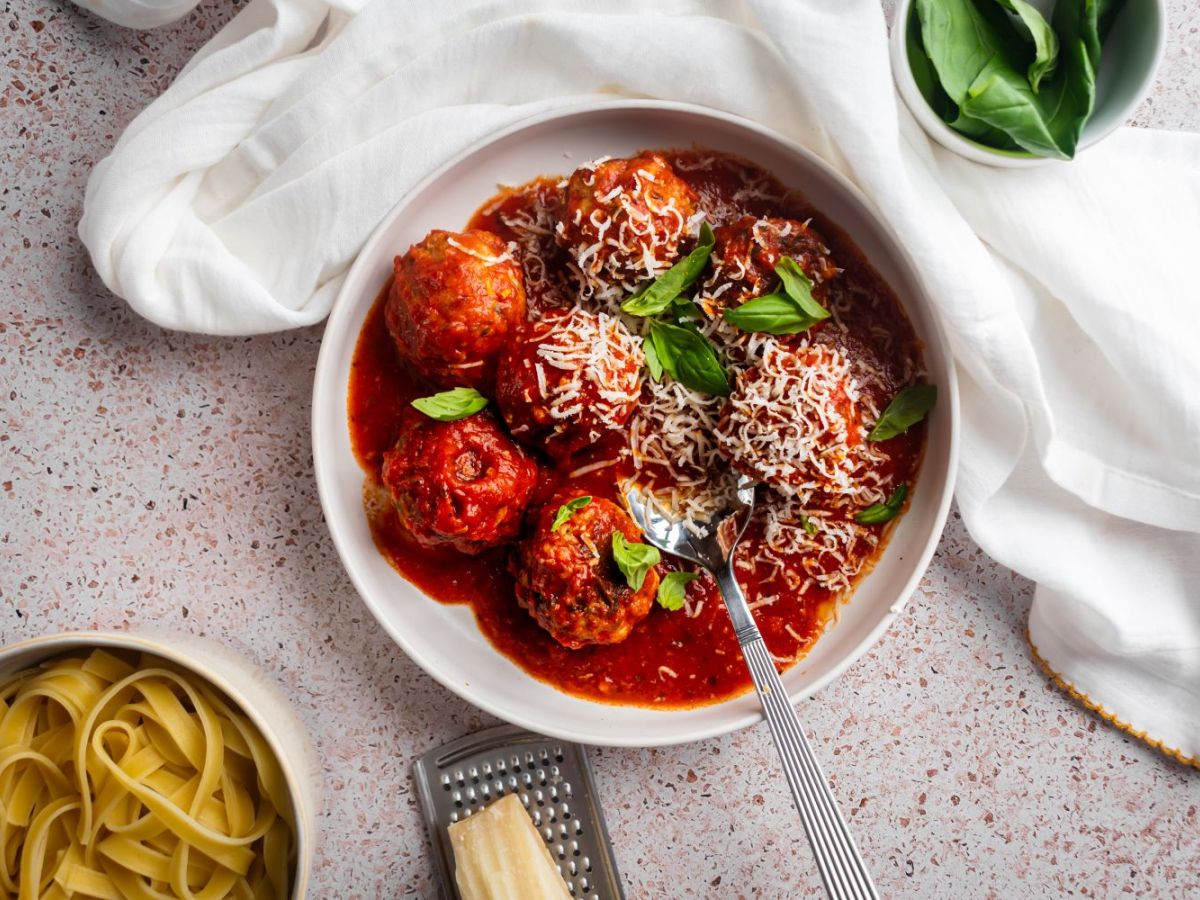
654 299
981 59
652 362
452 405
907 408
923 73
671 590
770 314
634 559
567 510
1039 32
808 524
689 358
878 513
798 287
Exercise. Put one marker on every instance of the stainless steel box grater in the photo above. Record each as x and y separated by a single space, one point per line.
552 779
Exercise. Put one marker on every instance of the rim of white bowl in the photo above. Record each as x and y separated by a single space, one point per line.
952 140
164 644
324 381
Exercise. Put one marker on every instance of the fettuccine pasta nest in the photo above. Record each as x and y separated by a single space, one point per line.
131 778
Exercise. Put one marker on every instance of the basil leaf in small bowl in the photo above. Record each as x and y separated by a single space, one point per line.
634 560
567 510
452 405
907 408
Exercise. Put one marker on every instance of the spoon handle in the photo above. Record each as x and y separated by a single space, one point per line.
842 868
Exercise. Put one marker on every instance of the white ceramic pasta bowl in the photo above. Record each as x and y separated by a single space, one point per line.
239 680
443 639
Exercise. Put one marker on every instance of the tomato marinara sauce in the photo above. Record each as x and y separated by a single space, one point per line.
802 553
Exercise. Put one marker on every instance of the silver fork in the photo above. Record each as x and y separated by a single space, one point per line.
842 868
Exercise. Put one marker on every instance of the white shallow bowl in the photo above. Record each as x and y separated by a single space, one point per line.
1128 61
239 680
444 640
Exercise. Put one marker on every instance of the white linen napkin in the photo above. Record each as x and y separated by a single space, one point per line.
235 203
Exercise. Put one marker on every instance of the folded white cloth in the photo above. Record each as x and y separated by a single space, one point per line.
235 203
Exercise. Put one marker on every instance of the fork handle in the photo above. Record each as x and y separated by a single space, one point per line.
842 869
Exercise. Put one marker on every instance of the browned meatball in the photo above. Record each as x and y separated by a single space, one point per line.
569 582
454 301
568 379
462 484
624 221
793 421
745 255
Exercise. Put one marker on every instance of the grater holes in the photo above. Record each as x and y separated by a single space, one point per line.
566 789
578 827
445 782
515 762
457 797
512 783
473 774
541 777
586 862
471 797
563 831
574 848
548 835
573 868
537 819
585 885
529 759
538 798
558 754
459 777
560 851
553 794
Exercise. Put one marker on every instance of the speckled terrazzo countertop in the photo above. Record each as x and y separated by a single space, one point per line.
165 480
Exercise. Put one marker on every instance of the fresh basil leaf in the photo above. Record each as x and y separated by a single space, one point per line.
923 72
671 590
567 510
878 513
770 314
906 409
688 357
808 524
980 56
798 287
683 308
1039 32
452 405
654 298
652 361
634 560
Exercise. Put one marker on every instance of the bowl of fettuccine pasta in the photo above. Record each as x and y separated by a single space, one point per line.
150 766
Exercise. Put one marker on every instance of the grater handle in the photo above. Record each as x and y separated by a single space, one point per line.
843 871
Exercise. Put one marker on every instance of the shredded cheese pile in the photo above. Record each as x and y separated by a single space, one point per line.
593 360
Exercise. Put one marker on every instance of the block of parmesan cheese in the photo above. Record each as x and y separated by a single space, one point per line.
499 855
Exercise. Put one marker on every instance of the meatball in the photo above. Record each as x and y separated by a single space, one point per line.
793 420
454 302
746 252
570 583
624 221
460 484
568 379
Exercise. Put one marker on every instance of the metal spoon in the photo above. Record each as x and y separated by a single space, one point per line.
842 868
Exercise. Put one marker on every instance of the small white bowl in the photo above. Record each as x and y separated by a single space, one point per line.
239 680
444 639
1128 61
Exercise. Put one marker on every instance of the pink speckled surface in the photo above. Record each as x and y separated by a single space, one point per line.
150 478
